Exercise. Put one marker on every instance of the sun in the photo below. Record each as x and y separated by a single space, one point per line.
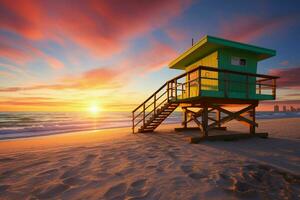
94 109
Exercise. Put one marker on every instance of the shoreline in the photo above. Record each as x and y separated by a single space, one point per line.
112 128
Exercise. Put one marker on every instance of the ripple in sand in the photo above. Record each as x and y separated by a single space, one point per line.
53 191
72 181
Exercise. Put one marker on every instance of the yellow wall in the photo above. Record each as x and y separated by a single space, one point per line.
210 60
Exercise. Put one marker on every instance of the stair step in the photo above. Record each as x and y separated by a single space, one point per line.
145 131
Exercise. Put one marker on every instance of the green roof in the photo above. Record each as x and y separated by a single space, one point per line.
209 44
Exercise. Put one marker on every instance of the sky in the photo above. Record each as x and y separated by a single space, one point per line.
68 55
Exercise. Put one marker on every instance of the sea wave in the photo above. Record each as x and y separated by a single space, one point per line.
28 124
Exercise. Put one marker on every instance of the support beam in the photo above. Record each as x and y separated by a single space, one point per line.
252 115
205 120
233 115
184 123
218 118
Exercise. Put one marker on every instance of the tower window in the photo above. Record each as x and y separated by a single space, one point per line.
238 61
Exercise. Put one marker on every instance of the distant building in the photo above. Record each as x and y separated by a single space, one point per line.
293 109
284 108
276 108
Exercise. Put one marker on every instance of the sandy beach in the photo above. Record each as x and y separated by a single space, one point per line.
115 164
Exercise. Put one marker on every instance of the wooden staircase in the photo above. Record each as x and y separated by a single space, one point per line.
154 110
156 119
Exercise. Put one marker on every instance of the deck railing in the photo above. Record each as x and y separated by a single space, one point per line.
221 83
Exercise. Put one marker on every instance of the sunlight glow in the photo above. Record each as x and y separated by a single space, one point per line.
94 109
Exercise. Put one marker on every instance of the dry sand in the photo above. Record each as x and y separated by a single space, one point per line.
115 164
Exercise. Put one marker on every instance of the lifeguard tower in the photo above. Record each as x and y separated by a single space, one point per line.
218 74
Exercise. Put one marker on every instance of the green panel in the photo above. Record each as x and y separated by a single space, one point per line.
237 83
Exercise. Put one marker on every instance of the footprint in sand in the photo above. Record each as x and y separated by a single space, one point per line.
3 188
197 176
88 160
116 192
186 168
70 172
137 188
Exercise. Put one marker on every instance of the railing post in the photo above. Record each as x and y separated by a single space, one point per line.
225 85
182 92
247 86
132 122
144 115
274 88
154 104
189 85
199 82
168 89
176 89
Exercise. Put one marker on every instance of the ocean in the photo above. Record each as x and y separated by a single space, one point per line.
29 124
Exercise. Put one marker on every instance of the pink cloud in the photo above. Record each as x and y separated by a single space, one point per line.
289 77
249 28
176 34
100 26
158 55
21 52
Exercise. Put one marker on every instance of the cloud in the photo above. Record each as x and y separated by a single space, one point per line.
104 78
250 28
174 33
284 63
156 56
153 58
289 77
36 102
100 26
20 52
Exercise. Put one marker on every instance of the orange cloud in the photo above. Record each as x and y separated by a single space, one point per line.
104 77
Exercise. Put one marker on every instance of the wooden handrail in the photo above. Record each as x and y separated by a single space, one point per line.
222 70
150 96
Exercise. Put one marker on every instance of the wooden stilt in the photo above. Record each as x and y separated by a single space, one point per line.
184 123
252 116
218 117
205 120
